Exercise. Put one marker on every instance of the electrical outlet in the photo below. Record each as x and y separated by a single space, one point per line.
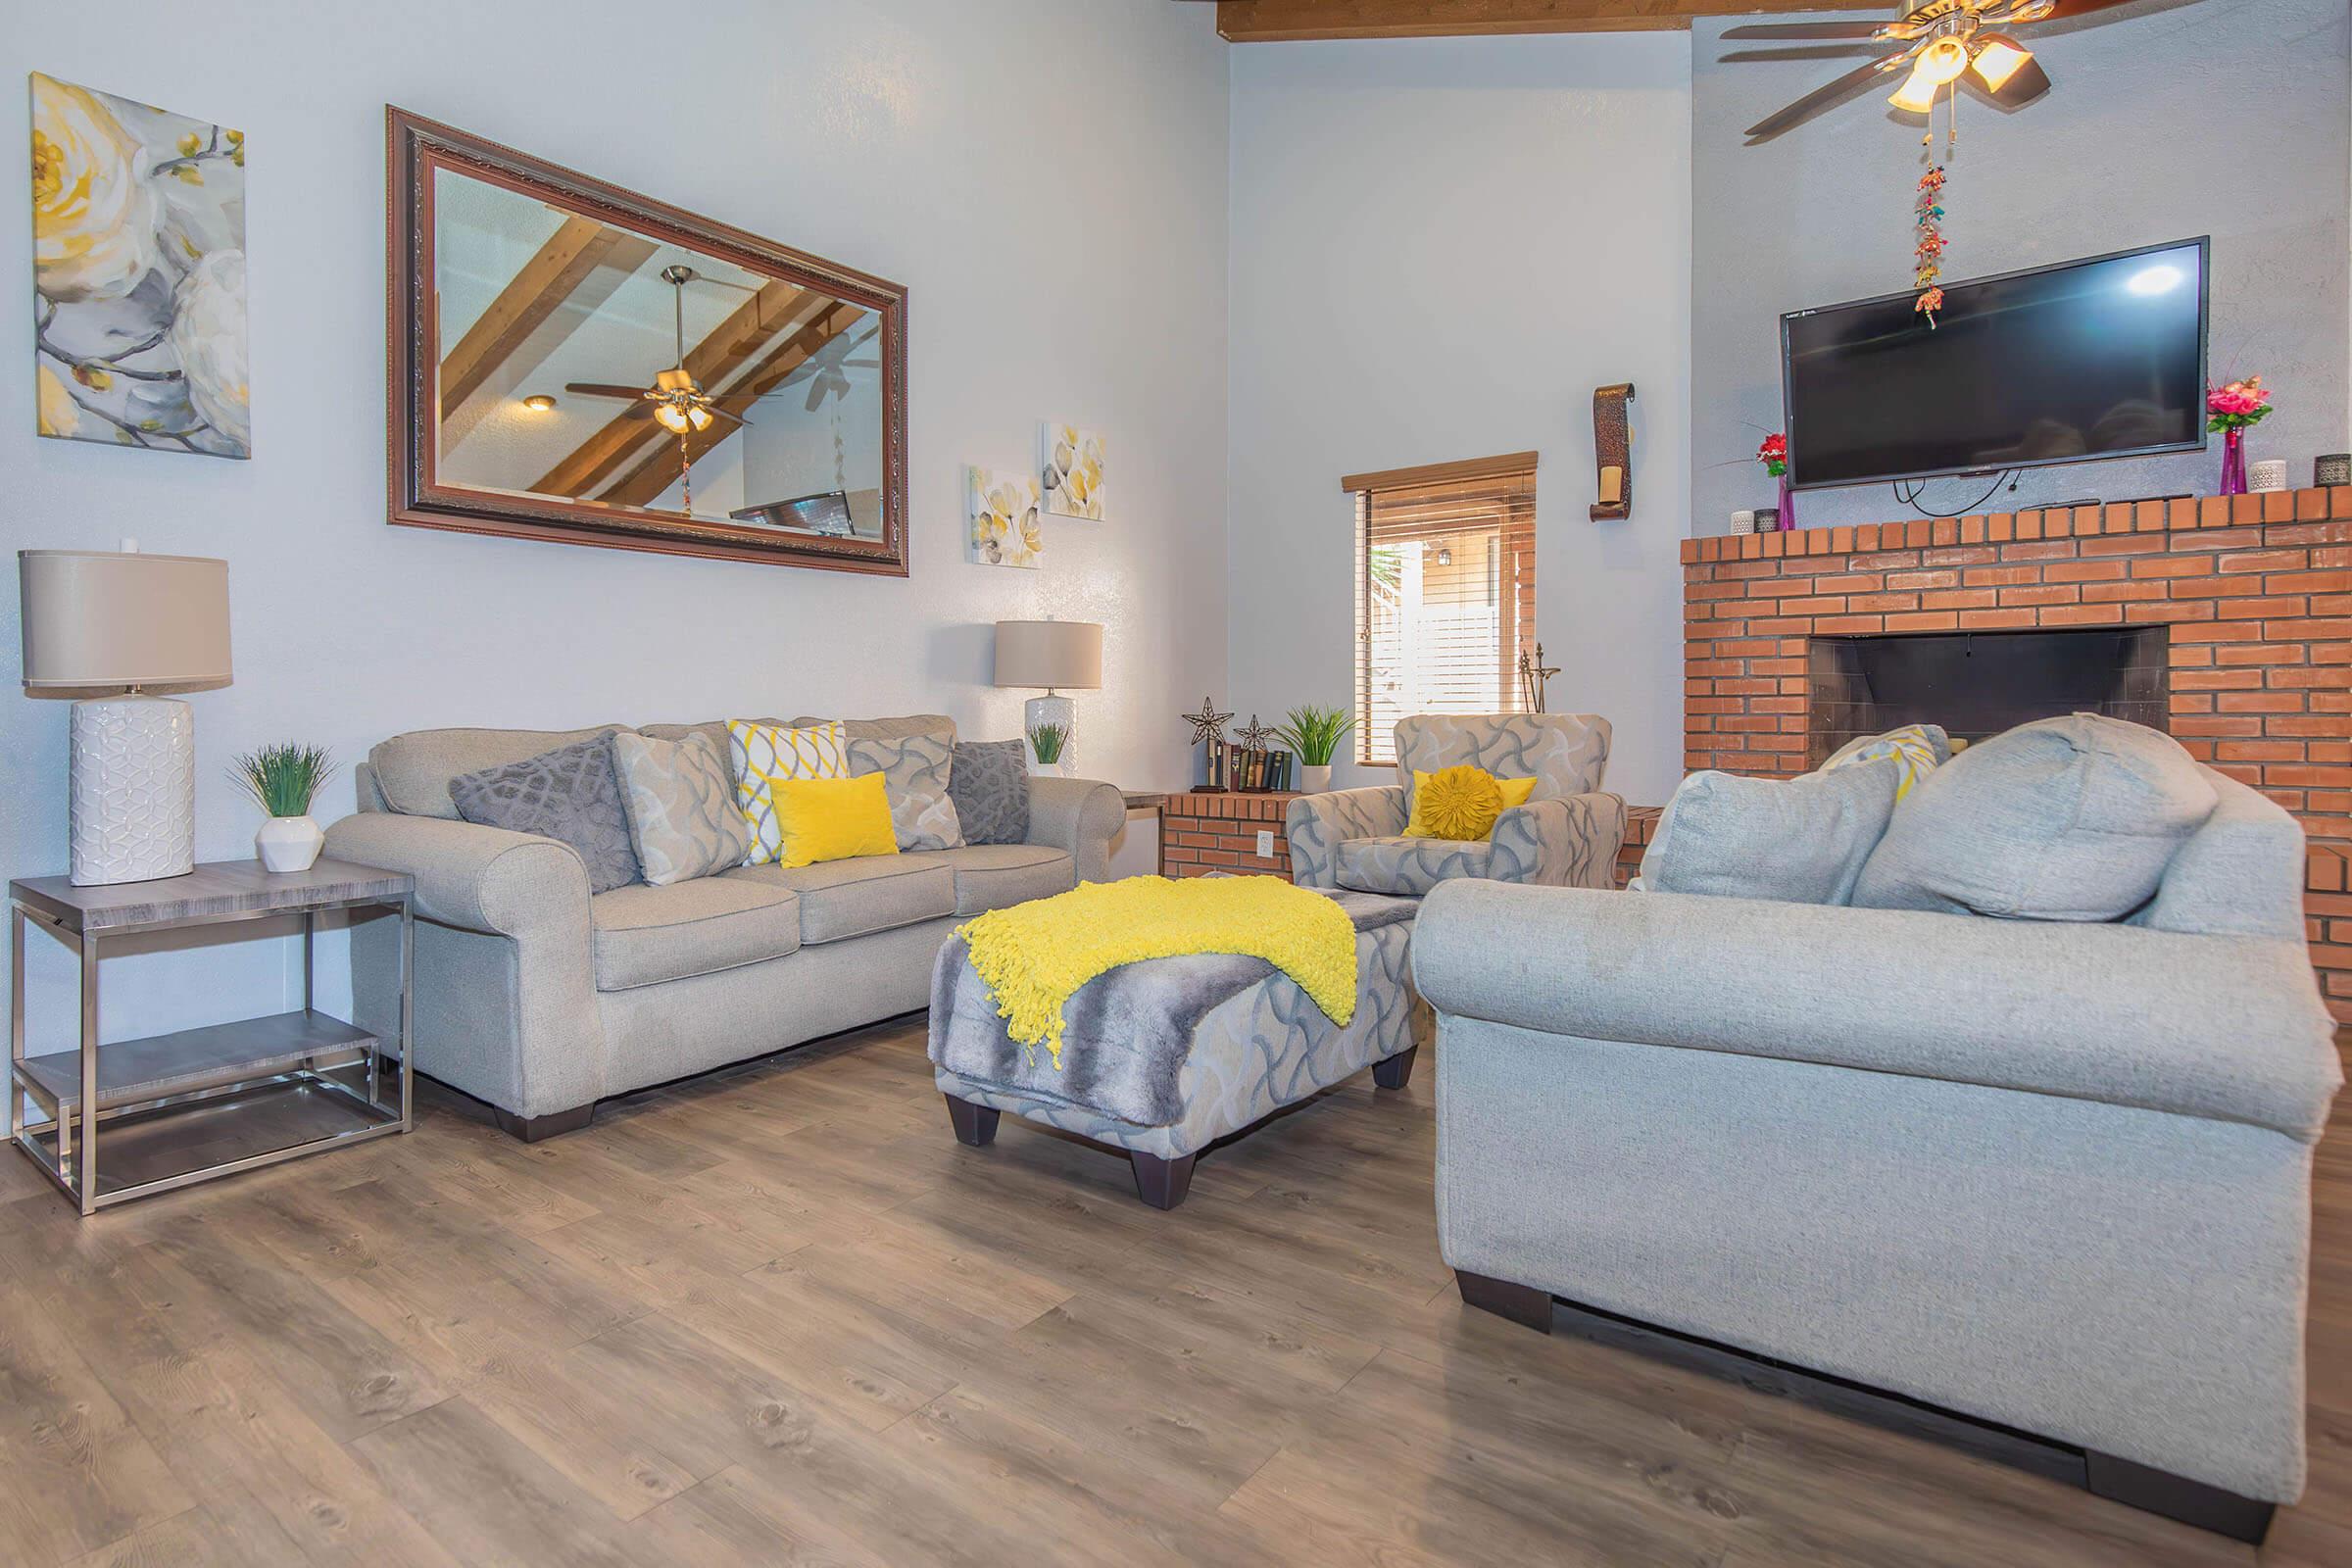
1265 844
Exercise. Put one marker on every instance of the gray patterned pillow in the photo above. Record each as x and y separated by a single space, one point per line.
568 794
914 771
683 820
990 786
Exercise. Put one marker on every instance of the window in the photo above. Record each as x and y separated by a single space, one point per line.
1445 592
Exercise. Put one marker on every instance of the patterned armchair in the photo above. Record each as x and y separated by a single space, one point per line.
1566 835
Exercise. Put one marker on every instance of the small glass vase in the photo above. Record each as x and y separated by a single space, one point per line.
1787 503
2234 461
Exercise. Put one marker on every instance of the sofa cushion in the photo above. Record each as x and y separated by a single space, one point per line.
990 877
914 771
1799 840
683 820
646 935
2062 819
1409 867
842 899
762 755
990 788
413 771
569 794
1916 750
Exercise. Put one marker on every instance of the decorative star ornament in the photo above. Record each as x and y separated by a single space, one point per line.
1253 735
1208 725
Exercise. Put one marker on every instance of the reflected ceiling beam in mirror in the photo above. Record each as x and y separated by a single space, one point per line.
579 267
775 310
1284 21
659 470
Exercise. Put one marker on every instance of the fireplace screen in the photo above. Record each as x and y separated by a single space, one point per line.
1977 685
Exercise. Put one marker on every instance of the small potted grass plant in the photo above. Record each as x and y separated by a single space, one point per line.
1046 743
283 780
1315 733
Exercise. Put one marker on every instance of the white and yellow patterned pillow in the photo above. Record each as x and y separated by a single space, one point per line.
1916 750
762 756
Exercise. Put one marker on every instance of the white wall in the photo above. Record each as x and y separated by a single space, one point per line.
1440 248
1031 169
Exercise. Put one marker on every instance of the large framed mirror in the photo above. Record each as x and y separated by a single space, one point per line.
571 361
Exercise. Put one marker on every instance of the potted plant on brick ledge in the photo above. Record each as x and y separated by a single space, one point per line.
1315 733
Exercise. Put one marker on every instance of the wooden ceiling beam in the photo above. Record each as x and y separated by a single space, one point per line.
1286 21
659 470
579 250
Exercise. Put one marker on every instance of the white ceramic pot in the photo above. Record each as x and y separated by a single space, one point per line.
288 844
1314 780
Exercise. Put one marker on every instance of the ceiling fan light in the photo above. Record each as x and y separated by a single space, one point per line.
1941 61
1998 57
672 418
700 415
1917 94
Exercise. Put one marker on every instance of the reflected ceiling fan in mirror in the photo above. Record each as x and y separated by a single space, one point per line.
673 398
1939 44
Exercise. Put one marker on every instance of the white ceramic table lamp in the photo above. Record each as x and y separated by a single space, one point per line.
126 622
1051 654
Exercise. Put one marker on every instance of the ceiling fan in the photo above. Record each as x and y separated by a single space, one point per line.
1938 42
673 398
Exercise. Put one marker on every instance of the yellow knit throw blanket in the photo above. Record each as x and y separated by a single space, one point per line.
1036 956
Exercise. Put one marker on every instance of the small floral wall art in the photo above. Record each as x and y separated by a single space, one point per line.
138 274
1069 464
1004 517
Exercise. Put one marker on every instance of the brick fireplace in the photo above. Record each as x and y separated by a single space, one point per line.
2226 620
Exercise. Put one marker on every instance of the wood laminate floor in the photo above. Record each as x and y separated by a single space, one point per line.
780 1316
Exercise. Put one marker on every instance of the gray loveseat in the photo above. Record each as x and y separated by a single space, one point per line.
541 1000
2051 1175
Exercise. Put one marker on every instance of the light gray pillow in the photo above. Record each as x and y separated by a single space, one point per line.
990 786
683 820
2060 819
914 771
1799 840
568 794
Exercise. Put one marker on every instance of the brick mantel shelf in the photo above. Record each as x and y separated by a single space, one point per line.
2255 592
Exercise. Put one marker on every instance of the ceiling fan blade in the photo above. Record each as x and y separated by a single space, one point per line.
1806 30
1852 84
2026 83
2063 10
718 413
604 389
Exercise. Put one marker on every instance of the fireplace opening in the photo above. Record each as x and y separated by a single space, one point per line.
1980 683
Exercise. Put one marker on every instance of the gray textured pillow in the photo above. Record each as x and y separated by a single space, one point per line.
568 794
683 820
2060 819
1798 840
990 786
914 771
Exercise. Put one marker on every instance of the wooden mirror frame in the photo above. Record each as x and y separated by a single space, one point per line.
416 149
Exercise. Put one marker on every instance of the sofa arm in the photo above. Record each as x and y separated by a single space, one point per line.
480 878
1316 825
2225 1027
1081 815
1571 841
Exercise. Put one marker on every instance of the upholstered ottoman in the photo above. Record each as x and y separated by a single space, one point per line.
1230 1039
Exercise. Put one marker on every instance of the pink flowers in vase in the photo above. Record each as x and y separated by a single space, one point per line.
2237 404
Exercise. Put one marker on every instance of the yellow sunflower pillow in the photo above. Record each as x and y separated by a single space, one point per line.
1462 803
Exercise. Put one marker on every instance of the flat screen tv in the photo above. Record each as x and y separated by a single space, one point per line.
2101 358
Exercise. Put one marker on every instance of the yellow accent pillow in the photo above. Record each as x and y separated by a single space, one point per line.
832 818
1462 803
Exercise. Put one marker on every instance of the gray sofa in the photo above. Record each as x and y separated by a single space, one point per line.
1567 834
2051 1175
541 1000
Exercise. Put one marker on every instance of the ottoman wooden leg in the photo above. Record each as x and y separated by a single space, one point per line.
1161 1183
1521 1303
1398 1071
975 1125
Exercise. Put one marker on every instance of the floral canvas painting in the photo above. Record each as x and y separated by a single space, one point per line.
1003 517
1069 463
138 259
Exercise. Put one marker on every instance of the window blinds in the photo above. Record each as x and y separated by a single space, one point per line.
1445 598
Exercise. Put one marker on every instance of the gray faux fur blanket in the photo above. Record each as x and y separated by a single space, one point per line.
1125 1034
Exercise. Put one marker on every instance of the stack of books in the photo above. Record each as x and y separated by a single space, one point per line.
1238 768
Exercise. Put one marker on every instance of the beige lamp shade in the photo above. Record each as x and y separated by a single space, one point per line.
1052 654
94 620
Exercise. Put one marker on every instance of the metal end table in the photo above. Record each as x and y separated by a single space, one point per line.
198 1104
